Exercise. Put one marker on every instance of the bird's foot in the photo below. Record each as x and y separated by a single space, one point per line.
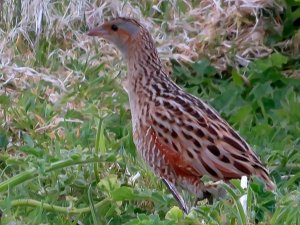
211 192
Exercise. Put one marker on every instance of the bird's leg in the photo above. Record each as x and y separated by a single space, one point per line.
176 195
206 195
211 192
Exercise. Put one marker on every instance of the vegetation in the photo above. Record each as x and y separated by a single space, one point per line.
66 149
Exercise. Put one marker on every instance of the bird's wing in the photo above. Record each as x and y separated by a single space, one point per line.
187 125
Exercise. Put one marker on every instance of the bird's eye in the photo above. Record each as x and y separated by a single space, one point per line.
114 27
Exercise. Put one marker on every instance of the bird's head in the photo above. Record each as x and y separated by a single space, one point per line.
122 32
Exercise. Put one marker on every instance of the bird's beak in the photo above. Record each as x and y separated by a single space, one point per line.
97 31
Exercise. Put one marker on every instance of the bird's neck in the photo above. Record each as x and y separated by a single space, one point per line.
144 67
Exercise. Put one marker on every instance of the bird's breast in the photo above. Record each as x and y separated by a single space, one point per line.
139 105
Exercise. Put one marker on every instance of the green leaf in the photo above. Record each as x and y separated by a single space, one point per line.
4 100
203 67
242 114
262 90
100 138
92 206
182 6
242 217
278 60
73 114
30 150
237 78
109 183
28 140
123 193
174 214
3 140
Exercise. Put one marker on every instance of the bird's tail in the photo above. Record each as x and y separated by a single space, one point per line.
265 176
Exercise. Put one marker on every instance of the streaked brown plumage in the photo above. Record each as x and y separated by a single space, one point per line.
178 135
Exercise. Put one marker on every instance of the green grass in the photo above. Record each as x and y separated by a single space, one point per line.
66 150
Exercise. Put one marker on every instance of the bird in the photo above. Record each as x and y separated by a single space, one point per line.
181 137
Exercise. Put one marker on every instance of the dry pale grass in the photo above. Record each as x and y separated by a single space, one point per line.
228 32
210 28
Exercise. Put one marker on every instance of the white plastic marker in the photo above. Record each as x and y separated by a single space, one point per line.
243 199
133 178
